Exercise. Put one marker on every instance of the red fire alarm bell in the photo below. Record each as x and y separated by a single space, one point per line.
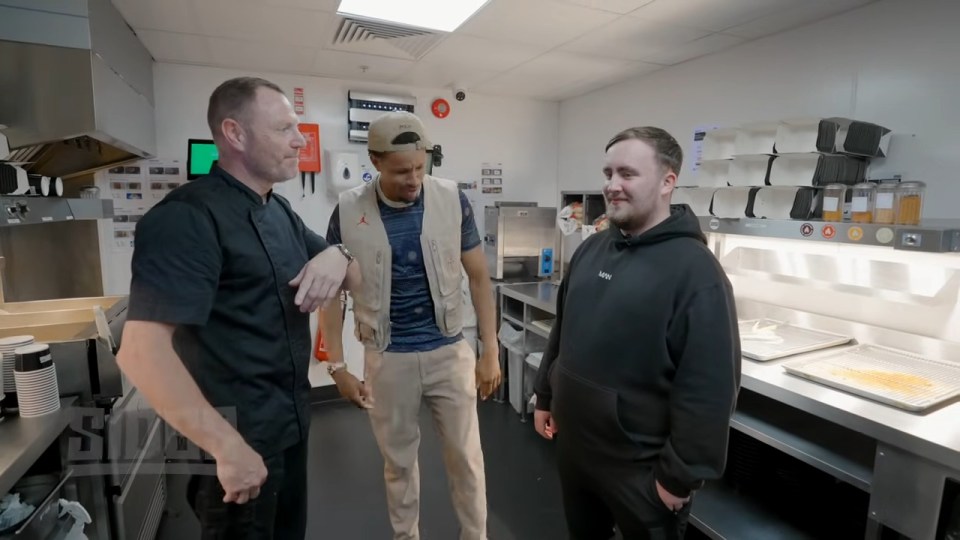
440 108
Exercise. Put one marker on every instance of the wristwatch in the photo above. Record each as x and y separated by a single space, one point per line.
346 253
333 367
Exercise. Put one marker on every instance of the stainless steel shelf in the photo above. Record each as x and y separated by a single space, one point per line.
936 236
723 514
842 453
513 319
16 211
538 331
541 295
23 440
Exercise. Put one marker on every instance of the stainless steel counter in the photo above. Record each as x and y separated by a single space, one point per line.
23 440
934 435
541 295
898 457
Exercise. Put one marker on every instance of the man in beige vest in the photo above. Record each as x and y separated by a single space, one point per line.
411 234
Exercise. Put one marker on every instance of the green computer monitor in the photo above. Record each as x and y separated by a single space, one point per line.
201 153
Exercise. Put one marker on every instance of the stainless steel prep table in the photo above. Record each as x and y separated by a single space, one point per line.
848 437
521 305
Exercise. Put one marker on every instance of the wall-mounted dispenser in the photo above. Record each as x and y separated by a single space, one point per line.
345 171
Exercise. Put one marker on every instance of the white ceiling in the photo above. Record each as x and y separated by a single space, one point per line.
547 49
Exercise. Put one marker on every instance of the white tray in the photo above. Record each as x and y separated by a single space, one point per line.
783 339
897 378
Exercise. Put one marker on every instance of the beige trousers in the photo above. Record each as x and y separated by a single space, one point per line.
445 380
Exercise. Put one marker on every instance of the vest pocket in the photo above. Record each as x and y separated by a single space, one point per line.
446 263
368 317
372 286
446 266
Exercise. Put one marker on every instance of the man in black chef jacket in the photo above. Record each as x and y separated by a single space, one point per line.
225 276
642 368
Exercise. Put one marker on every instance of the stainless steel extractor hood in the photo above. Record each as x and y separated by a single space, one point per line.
76 87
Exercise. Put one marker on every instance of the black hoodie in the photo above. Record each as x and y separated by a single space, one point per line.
643 363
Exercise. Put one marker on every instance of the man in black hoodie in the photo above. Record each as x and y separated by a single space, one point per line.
642 369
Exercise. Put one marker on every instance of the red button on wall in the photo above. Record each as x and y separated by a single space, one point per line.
440 108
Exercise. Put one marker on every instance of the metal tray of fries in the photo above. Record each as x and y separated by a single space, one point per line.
768 339
897 378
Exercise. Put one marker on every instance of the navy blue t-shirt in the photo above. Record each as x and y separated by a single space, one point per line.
414 324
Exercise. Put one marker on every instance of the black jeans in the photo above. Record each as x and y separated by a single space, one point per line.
279 513
600 496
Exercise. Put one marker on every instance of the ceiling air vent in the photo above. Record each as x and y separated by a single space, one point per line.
360 35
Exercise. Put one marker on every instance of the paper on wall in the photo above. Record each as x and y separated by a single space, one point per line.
135 188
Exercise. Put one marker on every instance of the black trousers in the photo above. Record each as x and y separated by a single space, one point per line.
599 497
279 513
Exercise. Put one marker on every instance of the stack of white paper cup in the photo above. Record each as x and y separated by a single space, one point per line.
7 347
36 378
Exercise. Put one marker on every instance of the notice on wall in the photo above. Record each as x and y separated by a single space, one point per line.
126 184
163 176
698 135
135 189
298 101
491 180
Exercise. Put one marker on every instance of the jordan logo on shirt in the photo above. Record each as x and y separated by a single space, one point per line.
605 275
363 220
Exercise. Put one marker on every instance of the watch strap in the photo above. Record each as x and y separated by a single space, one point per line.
346 253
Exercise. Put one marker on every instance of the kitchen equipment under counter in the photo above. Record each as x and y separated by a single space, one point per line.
520 241
23 440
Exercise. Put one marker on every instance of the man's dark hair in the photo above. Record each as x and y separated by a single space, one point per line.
231 99
668 151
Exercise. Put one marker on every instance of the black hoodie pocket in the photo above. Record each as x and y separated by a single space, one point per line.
587 417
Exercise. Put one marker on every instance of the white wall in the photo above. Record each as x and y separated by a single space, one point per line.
519 133
894 63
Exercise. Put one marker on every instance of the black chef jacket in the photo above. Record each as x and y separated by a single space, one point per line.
215 260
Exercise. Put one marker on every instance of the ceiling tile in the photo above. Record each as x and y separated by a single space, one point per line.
347 65
257 22
799 15
254 56
613 6
710 44
550 49
518 85
172 47
444 75
542 23
482 54
712 15
635 70
550 74
170 15
630 38
319 5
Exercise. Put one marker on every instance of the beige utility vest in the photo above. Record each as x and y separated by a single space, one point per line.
363 233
